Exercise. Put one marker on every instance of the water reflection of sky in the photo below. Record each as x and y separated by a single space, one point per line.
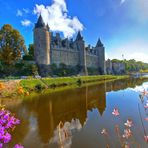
141 88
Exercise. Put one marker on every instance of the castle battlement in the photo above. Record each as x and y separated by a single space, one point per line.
52 49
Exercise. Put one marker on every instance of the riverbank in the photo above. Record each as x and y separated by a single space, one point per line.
26 87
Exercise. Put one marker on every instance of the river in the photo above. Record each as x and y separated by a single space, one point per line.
75 118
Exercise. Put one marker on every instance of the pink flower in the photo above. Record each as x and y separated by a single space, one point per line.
146 119
7 138
115 112
104 131
1 145
128 123
146 138
18 146
127 133
144 92
146 106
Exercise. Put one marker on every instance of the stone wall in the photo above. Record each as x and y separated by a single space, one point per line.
66 56
92 61
71 57
118 68
109 69
115 67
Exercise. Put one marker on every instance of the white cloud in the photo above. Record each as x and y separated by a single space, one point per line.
19 13
141 10
57 18
26 23
26 10
122 1
141 88
22 12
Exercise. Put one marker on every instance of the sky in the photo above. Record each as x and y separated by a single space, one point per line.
122 25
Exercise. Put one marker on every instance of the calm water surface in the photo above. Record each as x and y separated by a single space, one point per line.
75 118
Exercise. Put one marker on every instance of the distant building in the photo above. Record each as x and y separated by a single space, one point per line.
50 49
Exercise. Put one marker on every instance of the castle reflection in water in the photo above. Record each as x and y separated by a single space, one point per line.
40 117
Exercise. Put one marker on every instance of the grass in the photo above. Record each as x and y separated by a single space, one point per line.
52 85
30 84
29 87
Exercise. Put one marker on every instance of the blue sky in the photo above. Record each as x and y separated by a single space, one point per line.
122 25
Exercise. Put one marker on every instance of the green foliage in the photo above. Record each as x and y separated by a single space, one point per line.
79 82
144 71
30 55
26 69
32 84
92 71
132 65
64 70
31 50
18 69
39 87
11 45
27 58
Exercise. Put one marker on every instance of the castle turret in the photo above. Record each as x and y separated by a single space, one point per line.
41 42
101 55
82 56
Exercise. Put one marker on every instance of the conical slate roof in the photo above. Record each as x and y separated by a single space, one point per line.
47 26
79 37
99 43
40 23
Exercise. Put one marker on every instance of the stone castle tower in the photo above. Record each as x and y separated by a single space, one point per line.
101 54
50 49
82 56
42 43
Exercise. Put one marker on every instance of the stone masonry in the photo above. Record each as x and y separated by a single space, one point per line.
52 49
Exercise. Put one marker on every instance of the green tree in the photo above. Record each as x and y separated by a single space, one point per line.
30 55
31 50
34 69
11 45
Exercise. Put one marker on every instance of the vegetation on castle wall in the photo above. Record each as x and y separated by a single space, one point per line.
64 70
92 71
132 65
59 71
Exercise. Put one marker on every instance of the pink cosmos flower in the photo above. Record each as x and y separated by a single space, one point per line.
146 138
104 131
115 112
127 133
128 123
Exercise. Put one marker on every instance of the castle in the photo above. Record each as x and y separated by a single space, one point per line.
50 49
